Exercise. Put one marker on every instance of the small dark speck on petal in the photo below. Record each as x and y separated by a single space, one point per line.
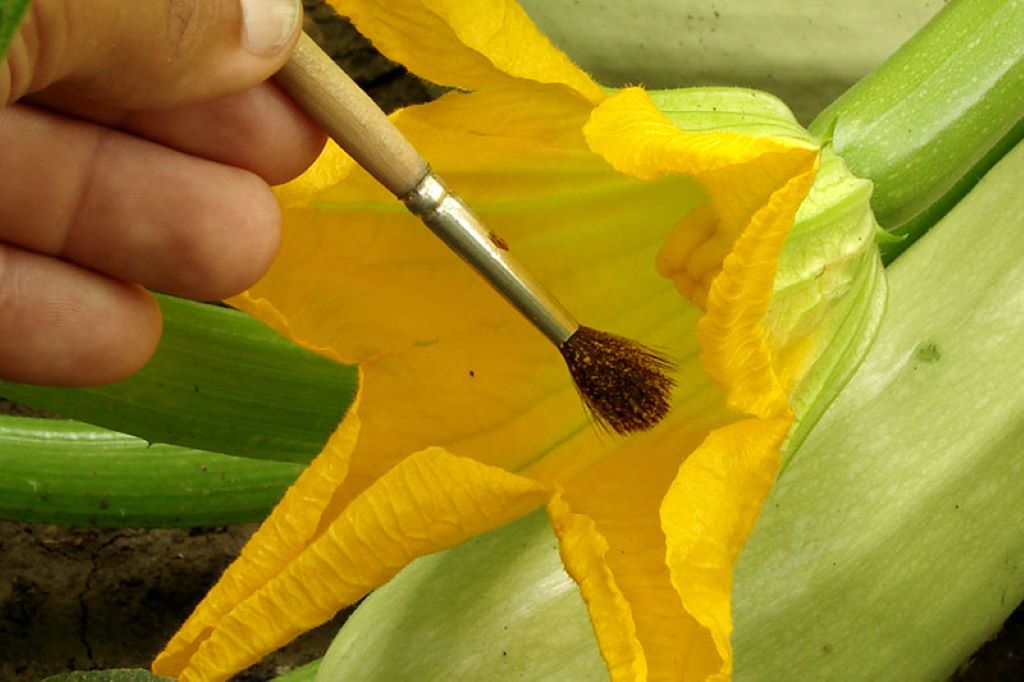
497 240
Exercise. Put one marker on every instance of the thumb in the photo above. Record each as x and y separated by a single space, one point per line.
148 54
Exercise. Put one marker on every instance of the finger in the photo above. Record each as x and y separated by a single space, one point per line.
261 130
132 209
149 54
64 325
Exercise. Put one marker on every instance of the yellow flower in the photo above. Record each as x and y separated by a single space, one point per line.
669 232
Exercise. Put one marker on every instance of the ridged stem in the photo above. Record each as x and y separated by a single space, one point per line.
928 124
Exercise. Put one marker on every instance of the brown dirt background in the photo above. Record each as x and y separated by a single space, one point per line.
85 598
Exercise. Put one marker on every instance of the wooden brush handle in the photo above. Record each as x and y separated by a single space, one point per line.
351 118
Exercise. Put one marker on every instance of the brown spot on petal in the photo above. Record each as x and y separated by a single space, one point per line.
498 241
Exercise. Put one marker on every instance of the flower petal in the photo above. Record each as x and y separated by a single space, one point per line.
608 522
737 352
467 44
723 255
445 360
585 555
278 541
707 515
430 501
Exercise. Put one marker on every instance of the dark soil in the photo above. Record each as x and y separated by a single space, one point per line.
81 599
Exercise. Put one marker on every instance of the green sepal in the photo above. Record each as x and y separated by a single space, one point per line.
11 13
69 473
741 110
498 607
928 123
830 287
219 381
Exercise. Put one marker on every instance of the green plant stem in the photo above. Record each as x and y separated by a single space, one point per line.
220 381
927 124
64 472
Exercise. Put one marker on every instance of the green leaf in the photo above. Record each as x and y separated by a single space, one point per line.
220 381
11 12
807 53
499 607
114 675
63 472
891 545
934 118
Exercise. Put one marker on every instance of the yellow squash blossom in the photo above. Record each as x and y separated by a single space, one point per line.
664 231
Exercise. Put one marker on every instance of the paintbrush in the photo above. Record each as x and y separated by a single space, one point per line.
624 385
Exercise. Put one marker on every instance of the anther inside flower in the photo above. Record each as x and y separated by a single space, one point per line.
666 227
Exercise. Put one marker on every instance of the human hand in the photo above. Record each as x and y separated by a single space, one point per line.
139 153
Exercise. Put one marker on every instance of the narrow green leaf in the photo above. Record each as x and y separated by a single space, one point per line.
220 381
63 472
933 119
11 12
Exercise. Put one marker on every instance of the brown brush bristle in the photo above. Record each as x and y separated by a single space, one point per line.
624 384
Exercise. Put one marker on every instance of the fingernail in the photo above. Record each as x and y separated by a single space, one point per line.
269 24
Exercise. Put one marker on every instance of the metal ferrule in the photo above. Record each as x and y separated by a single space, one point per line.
465 234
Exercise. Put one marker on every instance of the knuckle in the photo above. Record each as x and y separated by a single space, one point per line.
12 288
183 24
233 252
83 199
